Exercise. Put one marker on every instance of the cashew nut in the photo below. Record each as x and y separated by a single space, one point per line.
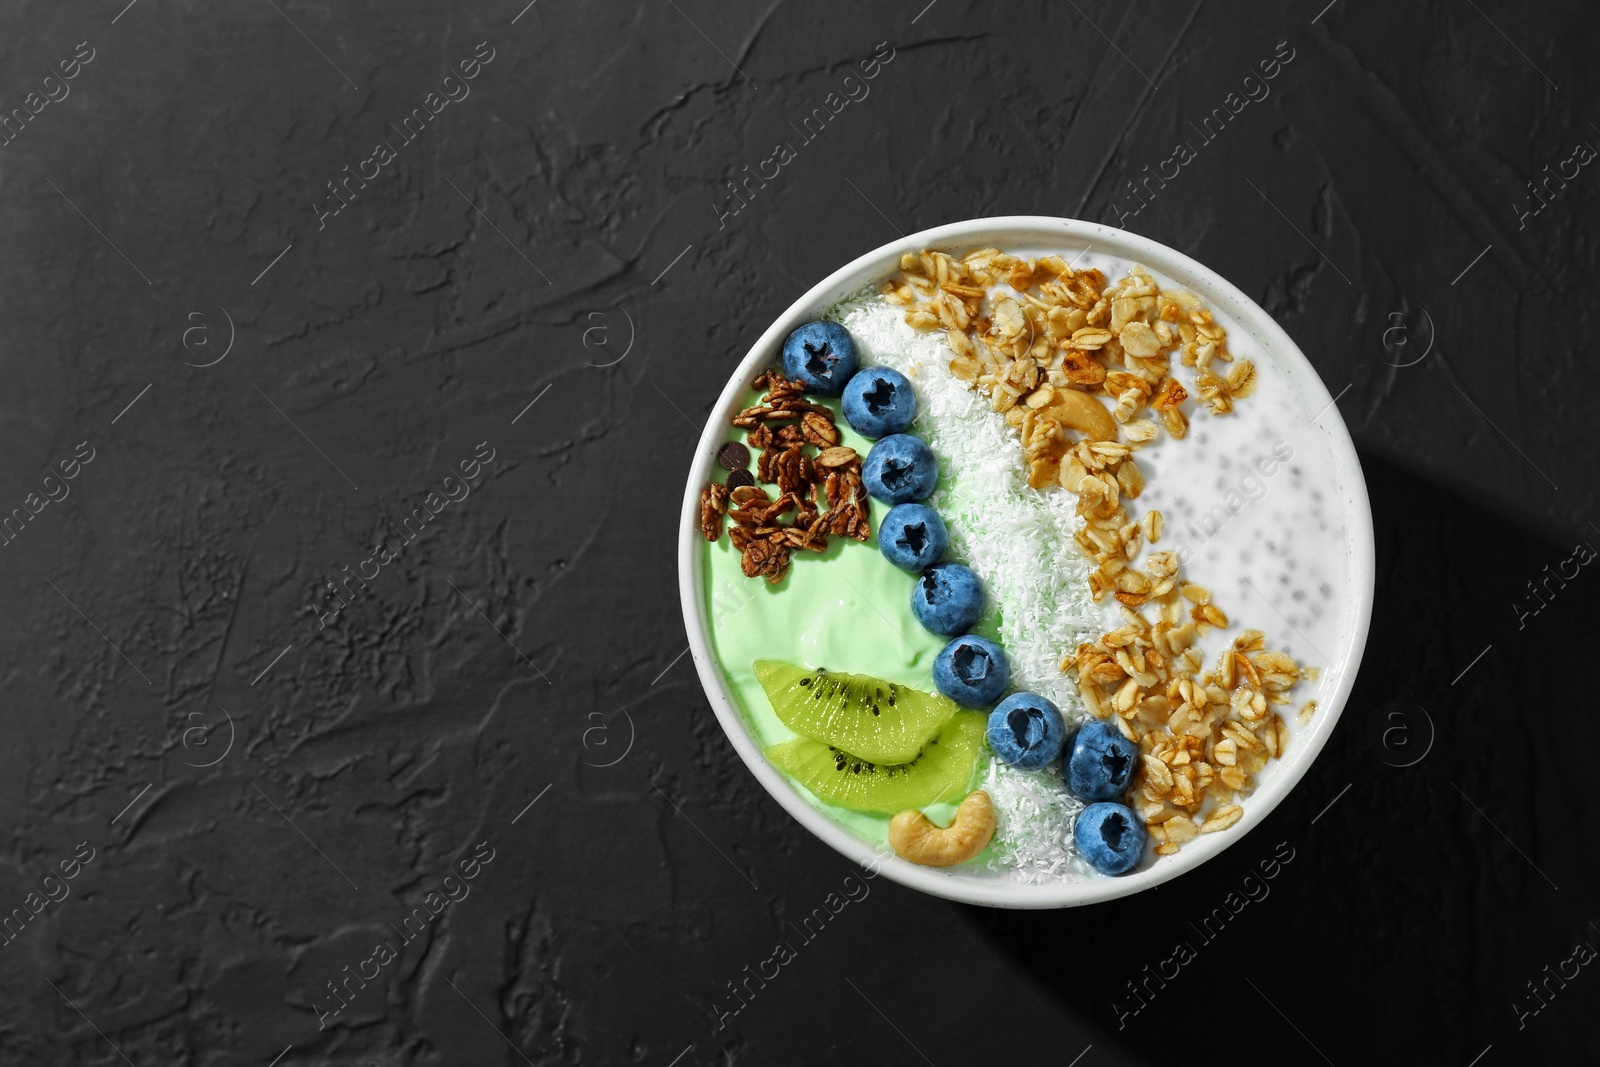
920 841
1079 410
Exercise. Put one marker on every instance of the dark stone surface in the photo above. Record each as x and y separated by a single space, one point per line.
479 272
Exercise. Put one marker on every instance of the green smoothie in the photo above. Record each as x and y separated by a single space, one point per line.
846 609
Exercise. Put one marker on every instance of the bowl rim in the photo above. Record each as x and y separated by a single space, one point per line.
1045 231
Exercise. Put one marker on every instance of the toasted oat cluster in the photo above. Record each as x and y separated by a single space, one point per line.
1044 357
781 427
1200 734
1064 334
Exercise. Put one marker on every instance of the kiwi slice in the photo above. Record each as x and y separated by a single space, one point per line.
876 720
940 772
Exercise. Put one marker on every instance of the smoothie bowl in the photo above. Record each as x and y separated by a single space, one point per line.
1026 561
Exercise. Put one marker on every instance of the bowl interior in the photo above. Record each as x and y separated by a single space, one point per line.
1068 237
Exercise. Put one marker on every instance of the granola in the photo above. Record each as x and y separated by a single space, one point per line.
819 495
1069 330
1201 734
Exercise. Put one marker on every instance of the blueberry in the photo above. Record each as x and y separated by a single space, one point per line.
1110 836
900 469
912 537
972 671
821 356
1027 731
879 401
1101 762
947 599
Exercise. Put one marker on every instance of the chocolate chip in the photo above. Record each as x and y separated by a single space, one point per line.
733 456
739 478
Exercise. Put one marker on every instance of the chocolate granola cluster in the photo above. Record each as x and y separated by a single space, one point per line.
782 427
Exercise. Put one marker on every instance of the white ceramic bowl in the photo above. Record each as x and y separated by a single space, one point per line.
1068 236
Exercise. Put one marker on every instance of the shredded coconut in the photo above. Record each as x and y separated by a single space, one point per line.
1019 541
1033 825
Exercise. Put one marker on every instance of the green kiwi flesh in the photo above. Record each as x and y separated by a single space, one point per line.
873 720
941 771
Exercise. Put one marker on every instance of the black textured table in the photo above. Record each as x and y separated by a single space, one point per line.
354 356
